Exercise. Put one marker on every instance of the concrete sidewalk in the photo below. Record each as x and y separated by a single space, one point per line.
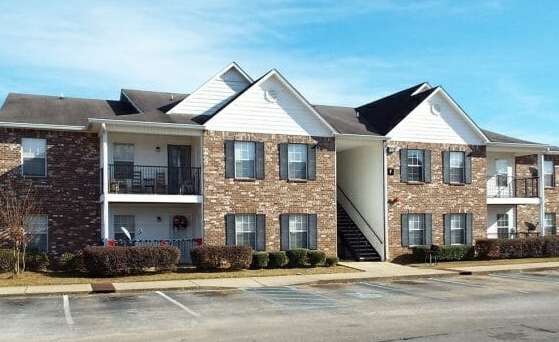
364 271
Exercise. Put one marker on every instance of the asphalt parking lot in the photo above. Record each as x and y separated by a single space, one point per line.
514 306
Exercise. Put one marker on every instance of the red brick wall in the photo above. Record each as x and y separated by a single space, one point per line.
270 196
70 192
436 197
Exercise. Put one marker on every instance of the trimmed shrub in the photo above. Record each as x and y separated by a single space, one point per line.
296 257
533 247
445 252
103 261
331 261
276 259
6 260
230 257
259 260
316 257
36 261
71 262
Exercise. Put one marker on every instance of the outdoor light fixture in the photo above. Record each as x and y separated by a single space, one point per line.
158 218
390 149
158 149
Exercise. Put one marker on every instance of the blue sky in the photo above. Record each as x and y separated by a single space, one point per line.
498 59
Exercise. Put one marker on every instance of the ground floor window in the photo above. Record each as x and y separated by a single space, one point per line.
123 224
37 233
549 224
246 229
503 226
457 228
298 231
416 229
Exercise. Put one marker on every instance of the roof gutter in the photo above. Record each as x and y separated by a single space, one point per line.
361 136
145 124
26 125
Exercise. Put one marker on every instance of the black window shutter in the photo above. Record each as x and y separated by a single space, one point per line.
312 243
405 231
229 159
283 161
469 230
284 232
229 229
260 232
404 164
427 166
259 159
447 230
553 175
446 168
468 169
428 229
311 162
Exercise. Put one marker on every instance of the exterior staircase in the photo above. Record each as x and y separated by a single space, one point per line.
353 241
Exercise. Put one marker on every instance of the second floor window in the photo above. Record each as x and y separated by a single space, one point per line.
123 160
244 159
548 174
34 157
457 167
415 165
297 161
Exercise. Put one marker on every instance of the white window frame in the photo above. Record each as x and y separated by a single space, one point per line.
37 225
123 154
503 222
245 230
297 167
415 162
298 231
126 221
457 227
457 167
33 148
416 224
245 159
549 227
548 173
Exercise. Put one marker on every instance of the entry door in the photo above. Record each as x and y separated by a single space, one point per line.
179 173
503 178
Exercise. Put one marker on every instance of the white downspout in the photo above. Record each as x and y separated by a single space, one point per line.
105 184
541 192
385 200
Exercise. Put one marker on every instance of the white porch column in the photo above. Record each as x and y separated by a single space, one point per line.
105 183
541 192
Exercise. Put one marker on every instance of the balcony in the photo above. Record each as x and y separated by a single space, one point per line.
504 186
140 179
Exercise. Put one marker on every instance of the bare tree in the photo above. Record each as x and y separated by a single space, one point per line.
18 206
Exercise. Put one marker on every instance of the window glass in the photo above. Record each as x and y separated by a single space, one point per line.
549 224
245 230
298 231
297 161
503 226
456 167
124 221
244 159
36 226
548 173
416 226
415 165
34 157
123 160
457 229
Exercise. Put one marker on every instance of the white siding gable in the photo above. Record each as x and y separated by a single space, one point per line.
213 94
437 120
269 106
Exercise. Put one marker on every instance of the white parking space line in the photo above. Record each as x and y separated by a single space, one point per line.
177 304
67 313
456 282
294 299
394 289
522 277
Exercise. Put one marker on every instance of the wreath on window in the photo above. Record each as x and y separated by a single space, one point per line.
180 221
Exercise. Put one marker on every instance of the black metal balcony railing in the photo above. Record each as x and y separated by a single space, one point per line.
141 179
504 186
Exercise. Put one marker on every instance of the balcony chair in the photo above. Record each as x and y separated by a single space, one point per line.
137 181
160 185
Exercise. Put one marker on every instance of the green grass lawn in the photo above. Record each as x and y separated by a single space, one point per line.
454 264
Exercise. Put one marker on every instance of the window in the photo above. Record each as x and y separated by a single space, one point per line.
298 231
246 229
415 165
34 157
502 170
549 224
244 159
37 230
503 226
548 174
297 161
126 222
457 167
123 160
416 229
457 229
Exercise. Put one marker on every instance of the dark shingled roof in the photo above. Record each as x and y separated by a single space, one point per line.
152 101
345 120
40 109
386 113
496 137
